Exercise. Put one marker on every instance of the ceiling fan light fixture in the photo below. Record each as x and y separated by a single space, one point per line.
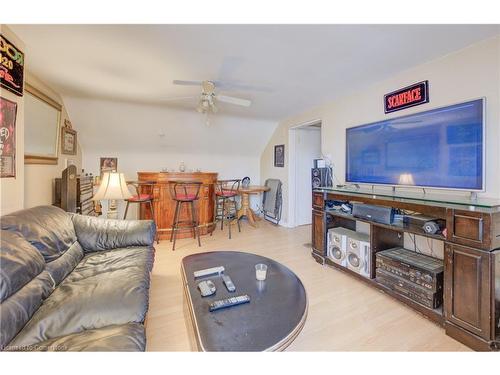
208 99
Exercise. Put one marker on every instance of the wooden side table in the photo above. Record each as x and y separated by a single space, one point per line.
245 209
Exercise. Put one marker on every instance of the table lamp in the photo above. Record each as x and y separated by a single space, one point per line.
112 187
406 179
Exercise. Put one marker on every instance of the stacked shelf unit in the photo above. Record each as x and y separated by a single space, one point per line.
80 195
470 312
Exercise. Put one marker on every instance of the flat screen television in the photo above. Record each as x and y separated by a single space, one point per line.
441 148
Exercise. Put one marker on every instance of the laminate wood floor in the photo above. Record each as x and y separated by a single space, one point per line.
344 313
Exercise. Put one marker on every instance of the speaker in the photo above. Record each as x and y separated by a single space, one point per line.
68 189
359 254
337 245
321 177
431 227
379 214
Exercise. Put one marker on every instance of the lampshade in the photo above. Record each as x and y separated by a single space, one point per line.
113 186
406 179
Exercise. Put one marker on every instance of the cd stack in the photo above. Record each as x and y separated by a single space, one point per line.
85 187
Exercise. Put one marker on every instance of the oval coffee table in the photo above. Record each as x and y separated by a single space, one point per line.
274 317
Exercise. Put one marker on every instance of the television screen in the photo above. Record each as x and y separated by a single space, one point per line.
440 148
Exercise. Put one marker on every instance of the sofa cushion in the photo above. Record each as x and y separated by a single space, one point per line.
17 310
111 260
19 263
23 284
97 234
47 228
62 266
129 337
99 299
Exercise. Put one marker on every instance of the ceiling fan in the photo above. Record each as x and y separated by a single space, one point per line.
208 98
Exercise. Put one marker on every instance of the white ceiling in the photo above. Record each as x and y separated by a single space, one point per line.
283 69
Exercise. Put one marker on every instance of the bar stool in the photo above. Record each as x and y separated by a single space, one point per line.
226 208
146 198
184 193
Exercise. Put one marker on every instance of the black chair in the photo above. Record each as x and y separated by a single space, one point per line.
226 207
184 193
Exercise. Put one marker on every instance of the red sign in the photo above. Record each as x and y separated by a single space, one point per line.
407 97
11 67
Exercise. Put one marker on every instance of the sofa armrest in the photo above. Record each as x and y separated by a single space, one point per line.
96 234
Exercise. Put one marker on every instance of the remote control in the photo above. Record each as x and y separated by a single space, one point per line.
207 288
228 283
233 301
208 272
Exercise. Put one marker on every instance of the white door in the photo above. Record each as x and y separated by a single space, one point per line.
308 148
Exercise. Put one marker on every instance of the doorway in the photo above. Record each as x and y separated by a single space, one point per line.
305 146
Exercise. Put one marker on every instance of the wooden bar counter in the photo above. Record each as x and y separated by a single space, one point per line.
164 205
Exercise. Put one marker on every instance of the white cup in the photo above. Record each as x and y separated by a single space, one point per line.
260 271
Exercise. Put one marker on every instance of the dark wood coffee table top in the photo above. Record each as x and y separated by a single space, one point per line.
274 317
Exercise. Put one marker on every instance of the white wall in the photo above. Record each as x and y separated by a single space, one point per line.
12 188
34 183
470 73
150 138
39 178
307 148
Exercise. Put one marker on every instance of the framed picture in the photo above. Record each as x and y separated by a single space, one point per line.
42 128
108 165
8 111
279 155
12 67
68 141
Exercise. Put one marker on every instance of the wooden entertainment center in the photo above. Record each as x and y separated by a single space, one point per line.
470 312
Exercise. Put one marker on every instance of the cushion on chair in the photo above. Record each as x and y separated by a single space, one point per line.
140 198
185 197
226 193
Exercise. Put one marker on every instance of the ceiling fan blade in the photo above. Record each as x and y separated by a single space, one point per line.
181 98
187 83
233 100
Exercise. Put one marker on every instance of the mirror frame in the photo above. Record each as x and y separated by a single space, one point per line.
43 159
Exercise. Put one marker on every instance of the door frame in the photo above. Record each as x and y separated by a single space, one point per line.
292 165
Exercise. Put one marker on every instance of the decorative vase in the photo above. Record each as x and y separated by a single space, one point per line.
182 167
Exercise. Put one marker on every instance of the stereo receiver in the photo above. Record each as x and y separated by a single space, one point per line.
417 268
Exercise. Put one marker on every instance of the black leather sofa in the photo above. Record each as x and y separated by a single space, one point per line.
73 283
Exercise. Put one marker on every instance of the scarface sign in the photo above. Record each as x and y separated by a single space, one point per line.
407 97
11 67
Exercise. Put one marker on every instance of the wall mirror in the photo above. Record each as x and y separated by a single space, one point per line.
42 117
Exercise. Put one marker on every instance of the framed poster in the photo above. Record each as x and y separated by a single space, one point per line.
11 67
279 155
8 111
108 165
68 141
